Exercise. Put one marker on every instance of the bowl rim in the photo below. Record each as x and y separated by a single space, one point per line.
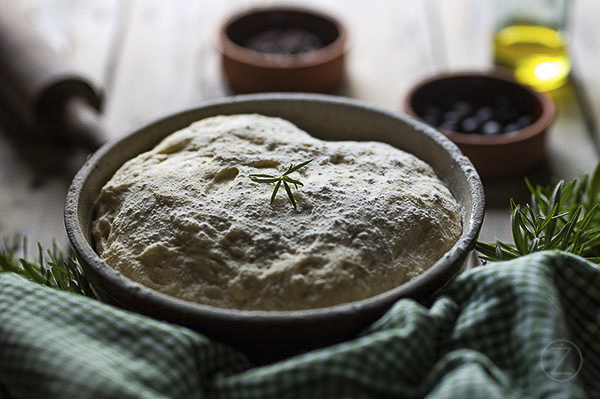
442 266
537 127
230 49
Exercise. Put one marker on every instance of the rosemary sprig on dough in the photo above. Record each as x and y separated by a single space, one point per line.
284 179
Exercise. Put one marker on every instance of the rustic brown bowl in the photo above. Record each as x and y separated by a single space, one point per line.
265 335
247 70
499 155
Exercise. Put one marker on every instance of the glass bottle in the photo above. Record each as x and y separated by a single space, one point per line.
531 39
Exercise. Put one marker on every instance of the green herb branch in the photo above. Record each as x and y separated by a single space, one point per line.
52 268
284 179
563 217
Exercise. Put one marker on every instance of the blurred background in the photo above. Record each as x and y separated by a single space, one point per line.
150 58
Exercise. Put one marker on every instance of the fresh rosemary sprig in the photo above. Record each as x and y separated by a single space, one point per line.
53 268
564 217
284 179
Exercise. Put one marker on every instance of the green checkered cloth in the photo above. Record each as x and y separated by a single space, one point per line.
528 328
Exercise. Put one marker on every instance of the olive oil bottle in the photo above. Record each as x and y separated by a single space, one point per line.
537 55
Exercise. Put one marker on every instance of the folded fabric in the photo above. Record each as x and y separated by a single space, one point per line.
527 328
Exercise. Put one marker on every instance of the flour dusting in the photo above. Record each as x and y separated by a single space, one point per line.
185 218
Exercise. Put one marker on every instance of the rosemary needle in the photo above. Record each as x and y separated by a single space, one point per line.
284 180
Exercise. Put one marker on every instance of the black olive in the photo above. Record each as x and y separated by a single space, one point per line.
522 122
469 125
511 127
449 125
484 114
491 127
452 116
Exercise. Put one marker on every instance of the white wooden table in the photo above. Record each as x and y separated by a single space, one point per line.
155 57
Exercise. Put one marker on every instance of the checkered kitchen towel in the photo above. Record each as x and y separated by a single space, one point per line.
528 328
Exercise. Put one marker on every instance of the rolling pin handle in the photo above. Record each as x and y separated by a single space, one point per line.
81 120
42 88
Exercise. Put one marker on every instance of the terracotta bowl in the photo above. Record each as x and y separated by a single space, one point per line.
495 155
266 335
255 68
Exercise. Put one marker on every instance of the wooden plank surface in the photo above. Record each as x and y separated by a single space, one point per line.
462 31
154 58
389 51
169 60
157 68
83 32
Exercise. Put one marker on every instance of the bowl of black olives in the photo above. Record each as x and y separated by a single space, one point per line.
499 124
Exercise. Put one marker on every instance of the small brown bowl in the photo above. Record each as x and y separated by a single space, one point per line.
494 155
310 68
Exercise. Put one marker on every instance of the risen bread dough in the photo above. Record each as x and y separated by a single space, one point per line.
185 218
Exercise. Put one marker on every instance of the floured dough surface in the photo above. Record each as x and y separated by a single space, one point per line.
185 218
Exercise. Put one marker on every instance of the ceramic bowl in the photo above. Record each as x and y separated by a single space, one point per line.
265 335
255 57
494 154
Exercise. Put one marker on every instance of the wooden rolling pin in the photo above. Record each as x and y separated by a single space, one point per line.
53 99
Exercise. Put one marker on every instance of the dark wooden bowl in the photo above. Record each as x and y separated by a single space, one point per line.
499 155
267 335
248 70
